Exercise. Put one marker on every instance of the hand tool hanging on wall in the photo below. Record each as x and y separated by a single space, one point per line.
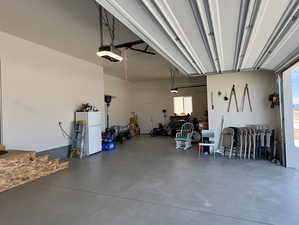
225 98
212 100
246 92
233 92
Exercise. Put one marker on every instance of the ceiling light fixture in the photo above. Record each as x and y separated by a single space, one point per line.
174 90
108 52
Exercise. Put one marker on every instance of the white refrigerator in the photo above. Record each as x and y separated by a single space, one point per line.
93 133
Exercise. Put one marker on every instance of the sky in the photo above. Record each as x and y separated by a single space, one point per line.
295 85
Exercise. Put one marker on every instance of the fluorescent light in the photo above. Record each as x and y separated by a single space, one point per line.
174 90
110 53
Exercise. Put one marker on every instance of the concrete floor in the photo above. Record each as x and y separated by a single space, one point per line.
147 182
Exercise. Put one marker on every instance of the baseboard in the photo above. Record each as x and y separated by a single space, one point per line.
57 153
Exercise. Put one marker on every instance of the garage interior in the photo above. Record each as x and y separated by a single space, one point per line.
149 112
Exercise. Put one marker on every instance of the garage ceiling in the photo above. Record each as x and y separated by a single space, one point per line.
72 27
214 36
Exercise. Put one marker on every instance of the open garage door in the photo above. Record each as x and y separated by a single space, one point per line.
291 115
1 121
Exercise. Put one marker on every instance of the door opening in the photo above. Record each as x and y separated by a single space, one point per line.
291 115
1 102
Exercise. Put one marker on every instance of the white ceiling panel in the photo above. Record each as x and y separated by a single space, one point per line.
207 25
268 17
203 37
179 13
170 32
285 47
225 21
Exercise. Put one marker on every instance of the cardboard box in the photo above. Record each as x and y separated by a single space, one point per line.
2 147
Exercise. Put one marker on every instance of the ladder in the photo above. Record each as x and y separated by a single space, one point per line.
78 145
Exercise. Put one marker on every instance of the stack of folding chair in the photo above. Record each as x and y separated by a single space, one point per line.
250 142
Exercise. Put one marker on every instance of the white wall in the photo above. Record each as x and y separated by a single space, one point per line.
122 104
261 85
41 86
151 97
